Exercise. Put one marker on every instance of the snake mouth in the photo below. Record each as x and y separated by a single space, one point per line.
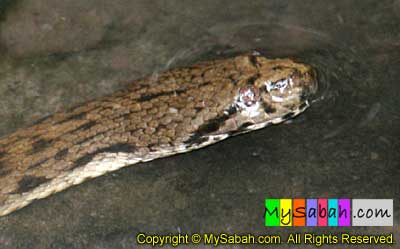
289 114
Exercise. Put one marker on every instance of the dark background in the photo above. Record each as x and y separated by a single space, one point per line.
56 54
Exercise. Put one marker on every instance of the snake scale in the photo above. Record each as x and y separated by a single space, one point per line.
178 111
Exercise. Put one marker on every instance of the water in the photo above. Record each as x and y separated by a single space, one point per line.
346 145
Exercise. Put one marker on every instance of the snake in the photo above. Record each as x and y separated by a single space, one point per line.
179 110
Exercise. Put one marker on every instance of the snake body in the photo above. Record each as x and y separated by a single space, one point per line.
178 111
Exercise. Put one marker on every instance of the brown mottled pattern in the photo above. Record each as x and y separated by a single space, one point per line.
157 111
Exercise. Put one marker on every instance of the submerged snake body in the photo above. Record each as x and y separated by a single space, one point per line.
180 110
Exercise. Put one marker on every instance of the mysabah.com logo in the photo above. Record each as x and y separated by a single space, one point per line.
328 212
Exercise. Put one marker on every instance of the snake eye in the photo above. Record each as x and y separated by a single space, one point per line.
249 95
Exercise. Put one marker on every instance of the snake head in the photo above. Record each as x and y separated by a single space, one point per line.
279 90
269 91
